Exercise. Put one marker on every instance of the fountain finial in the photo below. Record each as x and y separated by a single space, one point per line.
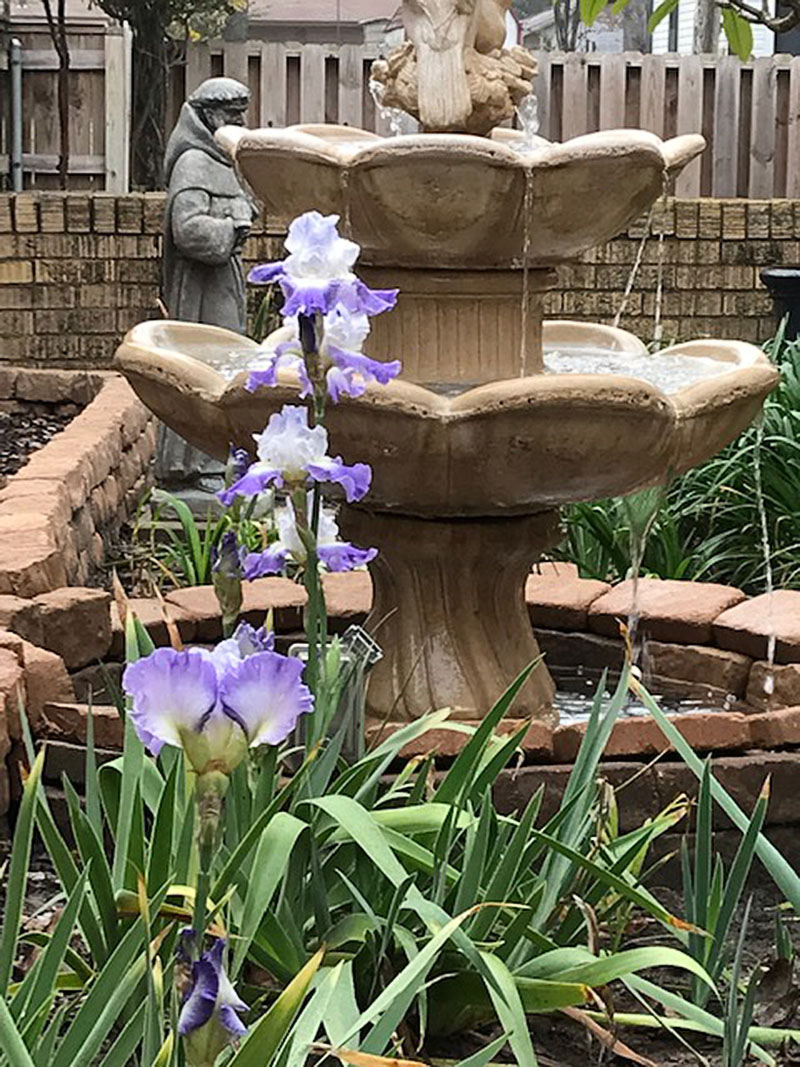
453 72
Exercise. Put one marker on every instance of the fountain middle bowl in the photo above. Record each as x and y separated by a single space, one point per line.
512 447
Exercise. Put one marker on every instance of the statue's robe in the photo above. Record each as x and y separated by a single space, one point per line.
204 278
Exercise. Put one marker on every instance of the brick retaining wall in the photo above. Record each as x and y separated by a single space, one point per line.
57 511
77 270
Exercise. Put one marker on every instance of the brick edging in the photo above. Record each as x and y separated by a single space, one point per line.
81 484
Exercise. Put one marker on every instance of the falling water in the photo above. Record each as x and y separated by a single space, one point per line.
657 326
528 115
527 237
392 116
634 269
640 510
769 681
344 180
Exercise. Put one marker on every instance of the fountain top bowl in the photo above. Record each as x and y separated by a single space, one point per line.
459 201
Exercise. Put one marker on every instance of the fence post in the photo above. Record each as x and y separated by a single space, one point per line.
15 155
118 107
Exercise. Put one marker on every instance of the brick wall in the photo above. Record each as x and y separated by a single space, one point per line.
77 270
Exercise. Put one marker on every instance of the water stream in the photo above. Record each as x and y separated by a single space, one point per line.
769 681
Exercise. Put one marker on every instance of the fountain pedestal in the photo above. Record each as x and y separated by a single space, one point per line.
449 610
461 326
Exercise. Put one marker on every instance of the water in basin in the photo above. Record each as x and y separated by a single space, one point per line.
668 373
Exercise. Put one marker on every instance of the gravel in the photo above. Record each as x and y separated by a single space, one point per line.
22 433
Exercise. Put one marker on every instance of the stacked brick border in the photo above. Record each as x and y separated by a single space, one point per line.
80 486
77 270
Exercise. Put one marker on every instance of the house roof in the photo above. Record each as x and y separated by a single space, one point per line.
316 11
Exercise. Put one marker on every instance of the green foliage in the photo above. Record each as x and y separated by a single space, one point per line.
708 526
184 554
371 904
738 28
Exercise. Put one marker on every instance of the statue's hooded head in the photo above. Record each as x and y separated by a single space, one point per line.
220 102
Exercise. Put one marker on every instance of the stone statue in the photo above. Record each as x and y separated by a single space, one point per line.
207 217
453 72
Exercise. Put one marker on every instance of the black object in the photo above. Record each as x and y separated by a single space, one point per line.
783 284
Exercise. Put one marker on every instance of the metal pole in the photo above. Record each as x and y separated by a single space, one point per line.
15 66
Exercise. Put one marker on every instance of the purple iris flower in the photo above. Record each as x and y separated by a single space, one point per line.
238 461
209 1019
347 368
216 705
334 554
317 274
291 453
225 559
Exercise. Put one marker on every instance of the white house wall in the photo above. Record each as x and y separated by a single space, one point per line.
763 39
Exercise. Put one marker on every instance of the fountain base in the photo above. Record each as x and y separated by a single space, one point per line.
449 611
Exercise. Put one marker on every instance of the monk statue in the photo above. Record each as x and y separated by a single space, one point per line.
454 73
207 217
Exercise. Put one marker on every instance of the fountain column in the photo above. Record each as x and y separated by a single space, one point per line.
449 609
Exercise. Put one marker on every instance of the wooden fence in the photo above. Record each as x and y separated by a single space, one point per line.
749 113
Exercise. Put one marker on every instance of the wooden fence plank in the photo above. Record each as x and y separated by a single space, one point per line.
198 65
118 108
726 127
612 92
273 84
762 137
351 92
234 60
793 138
652 98
312 83
574 120
541 88
690 118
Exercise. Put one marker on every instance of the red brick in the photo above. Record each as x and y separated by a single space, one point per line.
76 624
559 600
31 563
67 722
348 597
746 627
774 729
149 613
22 617
285 598
672 611
697 664
773 685
537 742
639 735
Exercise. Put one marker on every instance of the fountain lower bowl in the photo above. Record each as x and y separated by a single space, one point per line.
505 448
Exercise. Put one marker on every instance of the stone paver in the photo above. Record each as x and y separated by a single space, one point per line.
698 664
746 627
76 623
559 600
773 686
670 611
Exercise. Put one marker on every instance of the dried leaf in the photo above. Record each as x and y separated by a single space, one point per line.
607 1039
365 1059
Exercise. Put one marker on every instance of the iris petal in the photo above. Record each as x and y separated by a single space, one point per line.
171 691
266 696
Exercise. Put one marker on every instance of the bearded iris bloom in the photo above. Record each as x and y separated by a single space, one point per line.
209 1019
317 274
347 370
292 454
217 704
333 553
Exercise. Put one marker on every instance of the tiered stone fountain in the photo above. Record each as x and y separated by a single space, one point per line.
499 417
